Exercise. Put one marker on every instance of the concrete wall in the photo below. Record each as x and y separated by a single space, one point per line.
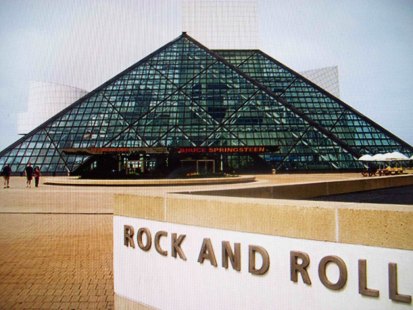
375 225
364 224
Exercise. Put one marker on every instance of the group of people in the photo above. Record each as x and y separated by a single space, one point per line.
29 171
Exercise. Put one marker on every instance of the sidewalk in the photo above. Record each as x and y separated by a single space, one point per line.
56 261
50 258
56 241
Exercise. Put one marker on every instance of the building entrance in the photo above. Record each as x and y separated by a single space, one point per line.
154 162
200 166
205 166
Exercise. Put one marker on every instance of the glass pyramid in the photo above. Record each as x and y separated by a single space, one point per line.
185 95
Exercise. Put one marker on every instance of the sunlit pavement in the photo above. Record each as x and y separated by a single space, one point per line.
56 241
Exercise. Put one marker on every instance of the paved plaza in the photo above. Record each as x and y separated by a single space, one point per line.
56 241
56 261
55 254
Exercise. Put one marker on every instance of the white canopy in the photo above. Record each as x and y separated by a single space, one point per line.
393 156
380 157
366 158
396 156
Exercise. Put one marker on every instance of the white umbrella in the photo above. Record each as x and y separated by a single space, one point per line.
366 158
396 156
379 157
411 157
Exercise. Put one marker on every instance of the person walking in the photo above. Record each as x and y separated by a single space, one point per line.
36 176
29 174
6 172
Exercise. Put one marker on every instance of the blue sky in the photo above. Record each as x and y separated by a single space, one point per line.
83 43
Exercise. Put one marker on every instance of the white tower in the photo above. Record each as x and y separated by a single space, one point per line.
45 100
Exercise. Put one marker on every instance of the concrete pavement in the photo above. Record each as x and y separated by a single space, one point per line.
56 241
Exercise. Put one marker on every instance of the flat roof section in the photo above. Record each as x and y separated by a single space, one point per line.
75 181
396 195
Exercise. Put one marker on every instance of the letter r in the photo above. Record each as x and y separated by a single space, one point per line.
301 268
128 233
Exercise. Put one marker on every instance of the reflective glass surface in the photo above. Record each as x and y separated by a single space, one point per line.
185 95
360 134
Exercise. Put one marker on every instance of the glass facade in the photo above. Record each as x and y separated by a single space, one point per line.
184 95
359 133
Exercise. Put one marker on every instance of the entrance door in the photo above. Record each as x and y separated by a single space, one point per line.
205 166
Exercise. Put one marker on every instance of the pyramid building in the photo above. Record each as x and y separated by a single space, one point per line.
231 110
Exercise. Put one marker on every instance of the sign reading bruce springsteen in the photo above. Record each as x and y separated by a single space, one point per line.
333 271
